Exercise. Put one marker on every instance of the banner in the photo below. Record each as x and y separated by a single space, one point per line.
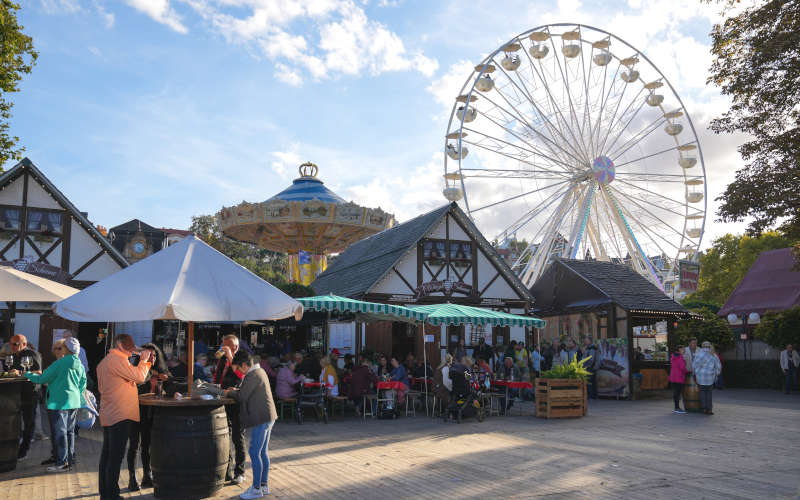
689 273
304 267
612 377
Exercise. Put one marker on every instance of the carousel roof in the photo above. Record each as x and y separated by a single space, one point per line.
307 189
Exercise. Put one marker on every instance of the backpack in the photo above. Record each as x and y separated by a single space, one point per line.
87 414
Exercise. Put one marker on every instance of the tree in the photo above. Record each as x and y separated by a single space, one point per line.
711 328
756 61
724 265
17 59
780 328
268 265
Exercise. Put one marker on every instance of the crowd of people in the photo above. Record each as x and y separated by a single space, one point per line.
128 371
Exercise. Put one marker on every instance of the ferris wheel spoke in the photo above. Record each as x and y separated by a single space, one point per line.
673 148
587 118
493 173
645 229
634 199
543 117
604 101
623 129
555 108
558 173
614 114
547 142
573 113
532 214
637 138
549 186
535 266
534 148
612 124
681 204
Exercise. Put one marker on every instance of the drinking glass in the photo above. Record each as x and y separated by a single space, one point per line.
27 362
10 362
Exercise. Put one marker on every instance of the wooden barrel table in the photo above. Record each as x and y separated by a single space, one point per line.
189 446
10 420
691 395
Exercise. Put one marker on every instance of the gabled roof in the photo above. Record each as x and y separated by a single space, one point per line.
17 170
366 262
135 225
620 283
771 284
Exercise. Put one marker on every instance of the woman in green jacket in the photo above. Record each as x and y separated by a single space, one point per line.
66 381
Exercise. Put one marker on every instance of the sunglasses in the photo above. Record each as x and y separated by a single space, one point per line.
17 343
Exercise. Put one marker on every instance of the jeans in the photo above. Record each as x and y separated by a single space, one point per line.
140 432
259 456
64 434
237 456
791 379
677 390
705 397
592 385
115 437
28 425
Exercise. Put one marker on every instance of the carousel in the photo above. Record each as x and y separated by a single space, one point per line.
306 220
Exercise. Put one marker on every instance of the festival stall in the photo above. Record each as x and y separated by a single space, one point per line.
189 281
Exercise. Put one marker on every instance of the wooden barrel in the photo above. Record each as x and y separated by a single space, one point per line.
691 395
189 451
10 423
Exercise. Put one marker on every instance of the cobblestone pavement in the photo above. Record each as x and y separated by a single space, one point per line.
621 449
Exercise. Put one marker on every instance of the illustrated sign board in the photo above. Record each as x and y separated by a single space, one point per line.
689 274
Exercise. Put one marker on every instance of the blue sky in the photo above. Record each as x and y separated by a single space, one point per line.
164 109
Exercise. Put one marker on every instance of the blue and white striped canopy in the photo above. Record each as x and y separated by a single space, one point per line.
307 189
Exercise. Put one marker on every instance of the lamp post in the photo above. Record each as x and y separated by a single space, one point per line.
753 318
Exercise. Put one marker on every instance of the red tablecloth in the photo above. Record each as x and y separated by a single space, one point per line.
392 384
512 385
312 384
420 380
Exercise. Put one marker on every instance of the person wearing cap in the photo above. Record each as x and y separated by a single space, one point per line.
19 348
119 408
66 381
706 367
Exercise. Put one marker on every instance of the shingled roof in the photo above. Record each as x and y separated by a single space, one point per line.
771 284
365 262
621 284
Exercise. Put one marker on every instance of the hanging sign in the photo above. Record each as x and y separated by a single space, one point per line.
689 274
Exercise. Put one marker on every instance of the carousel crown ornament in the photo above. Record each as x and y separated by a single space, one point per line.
307 220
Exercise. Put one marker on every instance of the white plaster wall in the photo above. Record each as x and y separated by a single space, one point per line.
13 252
38 197
99 269
12 194
82 247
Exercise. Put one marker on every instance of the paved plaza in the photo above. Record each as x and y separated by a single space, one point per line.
621 449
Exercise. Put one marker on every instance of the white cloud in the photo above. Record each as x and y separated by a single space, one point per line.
285 162
287 75
61 6
160 11
107 17
342 39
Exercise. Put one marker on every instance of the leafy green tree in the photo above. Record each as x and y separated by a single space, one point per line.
756 61
724 265
17 57
781 328
711 328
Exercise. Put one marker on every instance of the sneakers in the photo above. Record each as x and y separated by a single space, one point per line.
251 493
133 485
147 482
264 489
48 461
22 454
238 480
58 468
678 411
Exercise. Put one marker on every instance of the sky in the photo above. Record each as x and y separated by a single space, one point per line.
164 109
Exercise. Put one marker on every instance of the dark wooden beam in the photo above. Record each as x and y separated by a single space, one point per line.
497 275
33 245
89 262
43 257
23 221
9 245
411 288
66 239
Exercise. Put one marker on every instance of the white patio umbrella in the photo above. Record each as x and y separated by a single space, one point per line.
18 286
189 281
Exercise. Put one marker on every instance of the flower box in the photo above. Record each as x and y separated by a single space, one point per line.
560 397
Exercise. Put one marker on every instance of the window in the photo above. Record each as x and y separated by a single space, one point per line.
40 221
9 218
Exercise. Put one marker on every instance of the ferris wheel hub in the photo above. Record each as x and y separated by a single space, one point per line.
603 169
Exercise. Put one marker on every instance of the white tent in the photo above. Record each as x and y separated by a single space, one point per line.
189 281
18 286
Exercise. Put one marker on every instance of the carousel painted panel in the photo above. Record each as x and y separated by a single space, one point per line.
350 214
316 211
277 211
378 219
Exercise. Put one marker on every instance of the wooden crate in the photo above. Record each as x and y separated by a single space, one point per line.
560 398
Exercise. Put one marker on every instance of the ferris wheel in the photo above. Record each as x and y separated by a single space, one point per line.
571 139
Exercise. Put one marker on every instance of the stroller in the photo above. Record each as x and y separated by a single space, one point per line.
311 396
467 400
387 404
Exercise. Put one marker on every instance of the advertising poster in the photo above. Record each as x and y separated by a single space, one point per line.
689 273
612 377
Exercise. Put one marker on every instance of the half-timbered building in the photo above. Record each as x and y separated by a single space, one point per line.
41 229
436 257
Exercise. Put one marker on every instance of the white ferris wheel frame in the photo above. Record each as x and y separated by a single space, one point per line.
531 270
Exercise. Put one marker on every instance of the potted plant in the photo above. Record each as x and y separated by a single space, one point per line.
561 391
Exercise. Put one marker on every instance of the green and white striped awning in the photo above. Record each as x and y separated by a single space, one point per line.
456 314
389 312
